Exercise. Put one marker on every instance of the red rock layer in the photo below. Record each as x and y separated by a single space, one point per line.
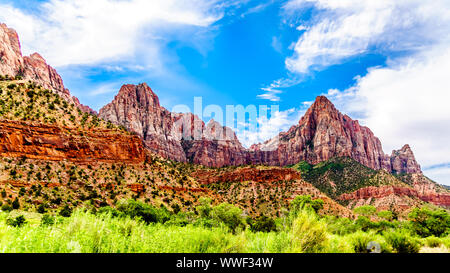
33 68
384 191
247 174
47 142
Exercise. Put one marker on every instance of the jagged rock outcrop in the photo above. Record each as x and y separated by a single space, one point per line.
177 136
217 147
403 161
33 68
53 143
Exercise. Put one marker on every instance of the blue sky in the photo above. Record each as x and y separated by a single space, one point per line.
382 62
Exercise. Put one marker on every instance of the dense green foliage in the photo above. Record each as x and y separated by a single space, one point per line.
426 222
133 226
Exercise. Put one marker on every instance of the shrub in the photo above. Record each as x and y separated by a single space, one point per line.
402 242
367 242
263 224
386 215
6 207
340 225
303 202
17 221
433 241
363 223
41 208
366 211
204 209
47 220
309 234
228 214
16 204
66 211
148 213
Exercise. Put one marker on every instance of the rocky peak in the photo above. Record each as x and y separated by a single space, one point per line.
178 136
403 161
11 61
33 67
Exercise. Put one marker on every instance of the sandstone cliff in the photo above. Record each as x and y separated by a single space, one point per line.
53 143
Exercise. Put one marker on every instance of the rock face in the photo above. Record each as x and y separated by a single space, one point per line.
180 137
137 108
403 161
54 143
33 68
247 174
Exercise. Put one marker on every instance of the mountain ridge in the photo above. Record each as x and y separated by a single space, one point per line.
322 133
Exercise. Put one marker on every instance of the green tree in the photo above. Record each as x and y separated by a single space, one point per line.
366 211
303 202
386 215
205 208
228 214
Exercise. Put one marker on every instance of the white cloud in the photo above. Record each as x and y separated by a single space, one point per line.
350 27
406 102
87 32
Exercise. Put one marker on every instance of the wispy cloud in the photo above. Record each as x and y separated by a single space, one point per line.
86 32
346 28
272 92
258 8
406 102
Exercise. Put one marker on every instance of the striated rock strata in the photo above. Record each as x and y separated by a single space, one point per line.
441 199
46 142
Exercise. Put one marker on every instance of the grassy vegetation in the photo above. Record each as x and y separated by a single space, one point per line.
140 228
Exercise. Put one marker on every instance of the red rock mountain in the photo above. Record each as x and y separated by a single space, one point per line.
181 137
33 67
322 133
